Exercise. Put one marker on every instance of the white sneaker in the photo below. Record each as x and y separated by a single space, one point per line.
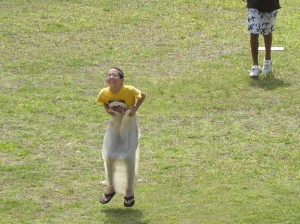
255 70
267 67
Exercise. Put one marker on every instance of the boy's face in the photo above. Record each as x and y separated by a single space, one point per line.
113 78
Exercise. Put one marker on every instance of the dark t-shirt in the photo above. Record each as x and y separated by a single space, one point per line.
264 5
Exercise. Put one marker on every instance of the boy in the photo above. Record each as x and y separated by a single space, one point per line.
262 16
120 145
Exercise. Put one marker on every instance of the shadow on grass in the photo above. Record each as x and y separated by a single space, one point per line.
123 215
268 82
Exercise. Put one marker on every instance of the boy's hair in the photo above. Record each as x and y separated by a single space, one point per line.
120 72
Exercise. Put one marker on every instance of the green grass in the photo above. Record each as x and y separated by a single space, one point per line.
216 146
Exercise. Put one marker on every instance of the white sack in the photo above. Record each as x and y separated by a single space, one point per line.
120 152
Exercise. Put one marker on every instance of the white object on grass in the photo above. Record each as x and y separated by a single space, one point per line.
120 152
272 48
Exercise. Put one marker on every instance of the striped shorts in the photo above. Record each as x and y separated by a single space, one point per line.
261 22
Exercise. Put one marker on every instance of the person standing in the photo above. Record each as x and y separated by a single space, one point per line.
262 15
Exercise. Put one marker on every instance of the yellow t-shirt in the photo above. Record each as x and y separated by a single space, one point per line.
127 94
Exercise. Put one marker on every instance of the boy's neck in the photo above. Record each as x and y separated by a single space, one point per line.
115 89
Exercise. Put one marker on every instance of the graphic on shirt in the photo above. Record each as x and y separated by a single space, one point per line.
120 103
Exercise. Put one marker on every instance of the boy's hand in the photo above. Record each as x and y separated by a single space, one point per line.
110 111
114 110
133 110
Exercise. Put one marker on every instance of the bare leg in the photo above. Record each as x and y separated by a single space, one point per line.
109 170
131 178
129 193
268 44
108 195
254 42
129 197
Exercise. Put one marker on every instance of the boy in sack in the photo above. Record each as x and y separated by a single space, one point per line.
120 149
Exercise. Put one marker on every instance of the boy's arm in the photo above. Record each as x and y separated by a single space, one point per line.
133 109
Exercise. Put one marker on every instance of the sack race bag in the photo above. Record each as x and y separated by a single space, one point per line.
120 152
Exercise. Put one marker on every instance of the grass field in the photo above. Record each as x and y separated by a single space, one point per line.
216 146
